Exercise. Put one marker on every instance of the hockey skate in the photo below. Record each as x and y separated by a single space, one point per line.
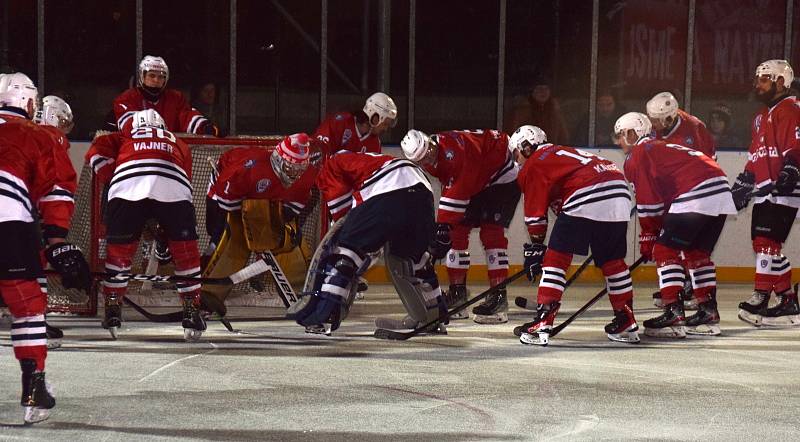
671 324
319 329
750 310
537 332
686 295
37 395
706 321
54 336
112 315
363 286
493 310
623 327
785 314
456 295
193 322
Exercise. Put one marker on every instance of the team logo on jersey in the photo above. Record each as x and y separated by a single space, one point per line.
689 141
262 185
346 136
757 122
249 164
339 117
449 155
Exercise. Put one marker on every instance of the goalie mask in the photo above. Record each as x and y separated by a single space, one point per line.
17 90
382 105
418 147
152 76
526 139
290 158
663 108
55 112
148 118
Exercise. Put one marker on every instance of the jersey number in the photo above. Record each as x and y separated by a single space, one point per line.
153 132
580 155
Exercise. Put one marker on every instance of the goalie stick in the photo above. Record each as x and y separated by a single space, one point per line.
285 290
523 302
383 333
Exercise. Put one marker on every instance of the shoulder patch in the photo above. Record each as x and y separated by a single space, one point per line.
249 164
262 185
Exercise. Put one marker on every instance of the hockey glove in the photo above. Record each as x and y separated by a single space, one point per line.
68 260
646 243
787 178
534 255
208 128
441 241
742 189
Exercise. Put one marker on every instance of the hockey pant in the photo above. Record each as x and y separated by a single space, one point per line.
495 244
27 303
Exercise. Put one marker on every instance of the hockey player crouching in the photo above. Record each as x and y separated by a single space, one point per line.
389 203
593 204
253 206
150 177
682 198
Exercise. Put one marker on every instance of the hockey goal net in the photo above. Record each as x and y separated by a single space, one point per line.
88 231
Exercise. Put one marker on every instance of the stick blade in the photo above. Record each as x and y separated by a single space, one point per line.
522 303
391 335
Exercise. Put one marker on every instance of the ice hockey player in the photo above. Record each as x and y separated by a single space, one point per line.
772 171
592 203
479 189
674 125
358 131
254 206
29 160
151 92
149 171
682 197
55 116
389 203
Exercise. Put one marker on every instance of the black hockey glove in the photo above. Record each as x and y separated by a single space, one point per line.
742 189
441 241
67 259
208 128
534 255
787 178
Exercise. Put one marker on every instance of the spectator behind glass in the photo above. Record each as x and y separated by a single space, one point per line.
608 110
540 109
206 99
719 124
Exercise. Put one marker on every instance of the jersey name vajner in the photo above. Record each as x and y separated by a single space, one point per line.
152 145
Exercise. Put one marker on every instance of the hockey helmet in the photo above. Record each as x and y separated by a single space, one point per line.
152 63
383 105
526 139
636 121
415 145
55 112
775 69
290 158
148 118
16 90
663 107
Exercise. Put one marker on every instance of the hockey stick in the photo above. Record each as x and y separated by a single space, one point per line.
523 302
384 333
285 290
172 317
152 267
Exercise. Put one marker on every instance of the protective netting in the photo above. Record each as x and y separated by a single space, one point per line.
87 231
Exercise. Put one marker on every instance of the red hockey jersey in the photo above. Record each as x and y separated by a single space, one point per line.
572 181
348 179
339 132
35 173
246 173
690 132
776 136
147 163
172 106
466 163
675 179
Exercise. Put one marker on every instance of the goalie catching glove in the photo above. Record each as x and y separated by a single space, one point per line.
68 260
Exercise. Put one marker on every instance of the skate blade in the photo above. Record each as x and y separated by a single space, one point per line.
394 324
678 332
497 318
750 318
540 338
33 415
788 321
192 335
704 330
630 337
53 344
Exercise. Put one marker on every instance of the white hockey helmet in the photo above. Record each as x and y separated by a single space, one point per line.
526 138
775 69
16 90
383 105
148 118
636 121
152 63
661 107
55 112
415 145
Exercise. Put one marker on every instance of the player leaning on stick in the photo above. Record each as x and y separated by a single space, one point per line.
479 189
29 162
773 171
682 198
592 203
254 206
150 177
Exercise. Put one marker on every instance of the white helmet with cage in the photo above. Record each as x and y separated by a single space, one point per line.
55 112
17 90
383 105
775 69
636 121
415 145
663 107
526 139
152 63
148 118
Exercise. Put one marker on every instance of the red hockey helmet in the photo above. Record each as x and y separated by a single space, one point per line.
290 157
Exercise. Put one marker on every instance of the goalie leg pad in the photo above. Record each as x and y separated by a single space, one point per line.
263 225
331 302
230 256
417 286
